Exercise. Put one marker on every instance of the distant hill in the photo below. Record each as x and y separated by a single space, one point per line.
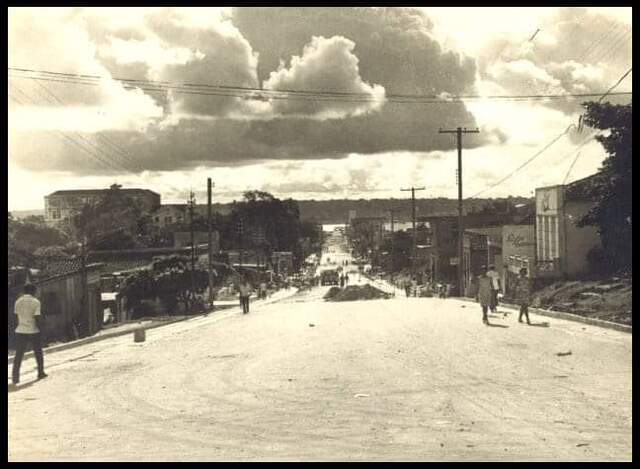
26 213
336 211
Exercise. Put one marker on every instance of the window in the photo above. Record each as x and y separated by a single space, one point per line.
55 214
157 219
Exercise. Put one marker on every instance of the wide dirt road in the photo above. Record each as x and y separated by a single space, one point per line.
398 379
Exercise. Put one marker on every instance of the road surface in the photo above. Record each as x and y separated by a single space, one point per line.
399 379
418 379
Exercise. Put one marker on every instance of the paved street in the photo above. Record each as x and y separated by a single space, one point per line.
397 379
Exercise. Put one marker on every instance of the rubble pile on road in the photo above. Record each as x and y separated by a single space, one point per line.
609 299
355 293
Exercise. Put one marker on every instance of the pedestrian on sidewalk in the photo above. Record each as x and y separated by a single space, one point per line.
27 308
407 287
523 293
263 290
341 281
484 294
495 287
346 279
245 292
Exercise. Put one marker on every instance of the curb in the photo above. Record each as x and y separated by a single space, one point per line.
97 338
567 316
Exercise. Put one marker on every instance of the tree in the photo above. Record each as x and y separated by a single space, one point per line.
25 237
115 222
170 281
611 189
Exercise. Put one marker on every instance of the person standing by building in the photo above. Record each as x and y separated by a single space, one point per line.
341 281
346 279
484 293
27 308
495 287
245 291
523 294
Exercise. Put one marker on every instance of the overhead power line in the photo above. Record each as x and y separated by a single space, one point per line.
79 141
268 94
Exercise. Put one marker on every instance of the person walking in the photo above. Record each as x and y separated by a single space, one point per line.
346 279
407 287
523 294
245 291
493 274
27 308
341 281
263 290
484 294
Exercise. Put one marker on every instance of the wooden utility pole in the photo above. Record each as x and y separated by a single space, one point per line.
459 131
210 250
413 215
193 252
240 229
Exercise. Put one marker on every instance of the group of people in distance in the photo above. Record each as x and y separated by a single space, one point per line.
344 280
488 285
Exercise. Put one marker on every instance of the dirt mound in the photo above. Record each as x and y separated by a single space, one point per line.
355 293
609 299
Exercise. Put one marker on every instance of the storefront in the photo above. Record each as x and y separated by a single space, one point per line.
518 252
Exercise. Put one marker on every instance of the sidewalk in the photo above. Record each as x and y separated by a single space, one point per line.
152 324
563 315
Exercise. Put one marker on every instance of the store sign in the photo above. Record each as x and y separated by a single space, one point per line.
518 240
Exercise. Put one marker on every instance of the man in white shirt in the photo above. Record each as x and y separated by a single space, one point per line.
495 287
27 308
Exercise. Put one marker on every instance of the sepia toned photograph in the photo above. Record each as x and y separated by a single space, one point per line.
307 234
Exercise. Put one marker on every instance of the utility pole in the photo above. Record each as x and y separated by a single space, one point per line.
459 131
193 252
240 229
413 212
209 185
391 212
83 279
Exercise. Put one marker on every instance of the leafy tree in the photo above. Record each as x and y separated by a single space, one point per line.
115 222
611 189
170 281
25 237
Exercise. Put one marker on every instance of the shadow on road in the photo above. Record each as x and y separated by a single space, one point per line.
540 324
19 387
497 325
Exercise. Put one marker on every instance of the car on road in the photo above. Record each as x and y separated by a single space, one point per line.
329 277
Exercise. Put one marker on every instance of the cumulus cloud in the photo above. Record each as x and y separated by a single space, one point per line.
577 51
325 65
41 39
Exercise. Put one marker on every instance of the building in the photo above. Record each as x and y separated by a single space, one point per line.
518 252
282 262
60 206
561 246
367 233
170 215
442 260
481 247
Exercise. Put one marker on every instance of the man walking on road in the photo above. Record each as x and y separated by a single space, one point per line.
245 291
484 294
523 293
27 308
495 287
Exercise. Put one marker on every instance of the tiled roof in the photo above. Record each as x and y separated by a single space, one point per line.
80 192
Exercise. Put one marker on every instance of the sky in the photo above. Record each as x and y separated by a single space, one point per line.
171 96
